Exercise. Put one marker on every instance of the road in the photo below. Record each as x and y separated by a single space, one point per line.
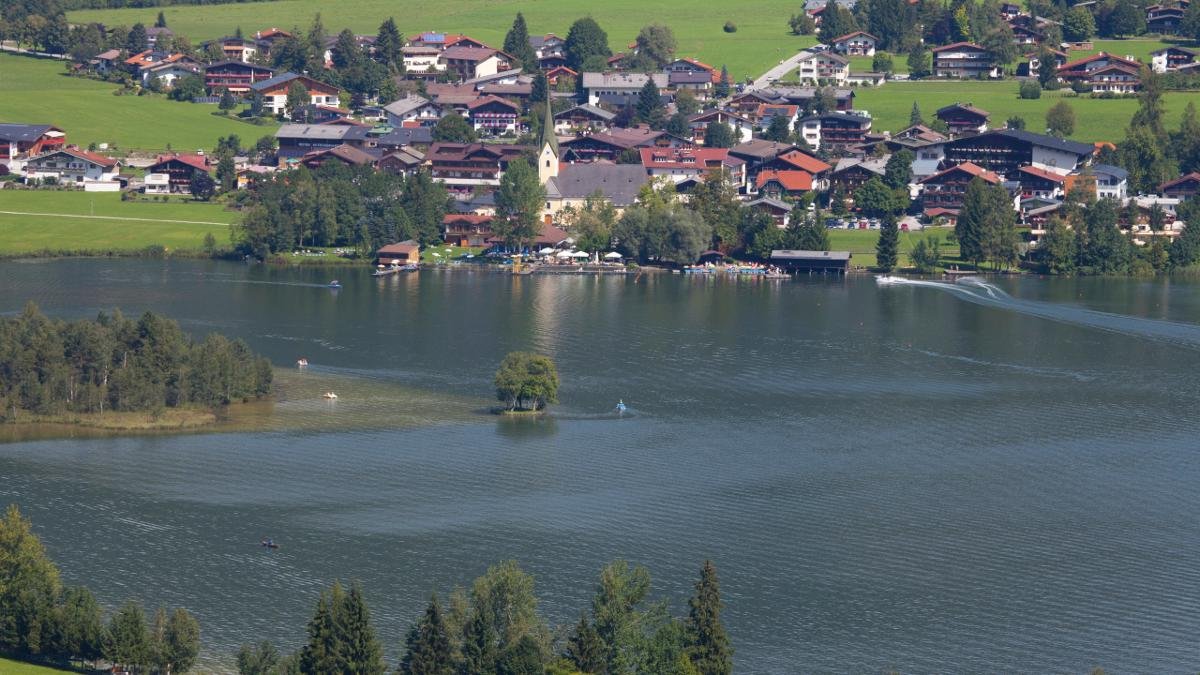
785 66
77 215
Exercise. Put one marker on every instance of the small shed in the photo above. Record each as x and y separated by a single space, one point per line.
825 262
404 253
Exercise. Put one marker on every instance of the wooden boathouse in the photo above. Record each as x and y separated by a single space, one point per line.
812 262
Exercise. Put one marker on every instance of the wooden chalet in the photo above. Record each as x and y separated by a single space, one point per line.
179 169
964 118
235 76
946 189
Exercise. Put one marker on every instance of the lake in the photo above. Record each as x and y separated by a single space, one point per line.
930 477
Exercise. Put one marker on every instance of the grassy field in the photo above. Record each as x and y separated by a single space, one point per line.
101 222
861 244
38 91
1096 119
10 667
762 38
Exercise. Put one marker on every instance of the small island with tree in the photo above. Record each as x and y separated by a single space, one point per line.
526 383
117 373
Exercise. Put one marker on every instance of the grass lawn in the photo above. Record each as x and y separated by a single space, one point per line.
10 667
101 222
861 244
1096 119
862 64
762 38
37 91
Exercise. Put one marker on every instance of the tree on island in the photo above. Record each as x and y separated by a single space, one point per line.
527 381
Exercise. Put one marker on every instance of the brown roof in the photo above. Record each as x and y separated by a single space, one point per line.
197 161
969 168
793 181
470 53
806 162
404 247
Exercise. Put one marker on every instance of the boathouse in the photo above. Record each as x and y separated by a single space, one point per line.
824 262
404 253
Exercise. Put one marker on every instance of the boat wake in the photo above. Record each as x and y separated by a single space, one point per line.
980 292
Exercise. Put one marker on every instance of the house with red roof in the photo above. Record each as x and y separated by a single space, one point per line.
779 184
680 164
858 43
179 169
946 189
472 62
70 165
1082 69
689 65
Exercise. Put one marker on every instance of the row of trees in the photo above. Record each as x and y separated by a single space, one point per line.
42 620
337 205
115 363
495 629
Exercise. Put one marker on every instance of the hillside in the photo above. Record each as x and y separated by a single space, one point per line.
762 38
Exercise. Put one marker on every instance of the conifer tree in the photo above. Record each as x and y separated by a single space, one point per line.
479 646
427 651
887 248
388 45
914 117
585 649
322 653
360 649
25 607
724 86
516 45
650 108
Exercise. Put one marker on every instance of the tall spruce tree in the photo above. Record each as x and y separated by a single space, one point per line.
479 651
723 86
915 117
650 108
585 649
887 249
969 228
427 651
710 650
29 581
360 649
516 44
322 653
389 44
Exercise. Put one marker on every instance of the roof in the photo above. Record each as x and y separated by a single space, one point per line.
92 157
810 255
695 62
489 99
683 158
620 137
406 105
472 218
195 161
591 110
1042 173
234 63
966 107
760 149
1186 178
828 55
969 168
109 55
877 166
792 181
1074 65
958 45
619 183
17 133
1110 170
284 78
804 161
326 132
347 153
1040 140
404 247
1172 48
406 136
688 77
770 202
622 80
853 35
470 53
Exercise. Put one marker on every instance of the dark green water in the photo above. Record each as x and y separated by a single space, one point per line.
921 477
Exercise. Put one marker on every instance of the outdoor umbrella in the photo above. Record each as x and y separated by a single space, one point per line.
579 254
612 256
563 254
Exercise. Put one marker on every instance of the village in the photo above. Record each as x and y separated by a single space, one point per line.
791 145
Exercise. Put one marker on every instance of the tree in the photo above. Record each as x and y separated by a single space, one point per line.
228 101
807 233
875 199
686 103
723 86
887 249
836 21
360 649
1057 247
778 130
523 658
346 53
138 40
898 171
80 625
585 41
1015 122
519 203
1078 25
187 88
1047 70
1186 141
29 587
1185 250
526 382
297 96
321 653
585 649
968 229
1031 90
454 128
677 125
1145 158
926 254
920 62
516 44
161 21
203 186
1190 26
427 650
1126 18
710 650
260 659
882 63
127 641
389 44
802 24
719 135
180 642
655 48
915 118
650 108
1060 119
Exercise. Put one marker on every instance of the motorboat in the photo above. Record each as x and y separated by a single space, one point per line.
329 395
269 543
302 363
334 284
887 279
621 406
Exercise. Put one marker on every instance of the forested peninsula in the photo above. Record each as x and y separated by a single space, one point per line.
121 373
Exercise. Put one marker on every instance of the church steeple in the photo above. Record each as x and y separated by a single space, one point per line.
548 146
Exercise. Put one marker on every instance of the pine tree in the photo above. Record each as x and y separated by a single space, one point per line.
322 654
969 228
516 45
887 248
161 21
915 117
360 649
479 652
25 607
724 86
585 648
388 45
650 107
427 651
710 649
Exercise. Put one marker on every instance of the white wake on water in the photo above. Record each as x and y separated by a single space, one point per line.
978 291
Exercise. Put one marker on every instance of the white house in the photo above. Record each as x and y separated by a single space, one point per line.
619 88
1111 181
71 165
858 43
420 59
823 67
412 108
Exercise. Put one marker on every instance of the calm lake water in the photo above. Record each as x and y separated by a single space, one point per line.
926 477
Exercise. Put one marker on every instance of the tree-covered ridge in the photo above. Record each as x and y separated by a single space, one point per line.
115 363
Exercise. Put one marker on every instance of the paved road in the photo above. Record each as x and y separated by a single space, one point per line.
29 52
771 76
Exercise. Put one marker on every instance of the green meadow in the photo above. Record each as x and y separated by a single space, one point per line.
10 667
100 223
38 91
861 244
1095 119
761 40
